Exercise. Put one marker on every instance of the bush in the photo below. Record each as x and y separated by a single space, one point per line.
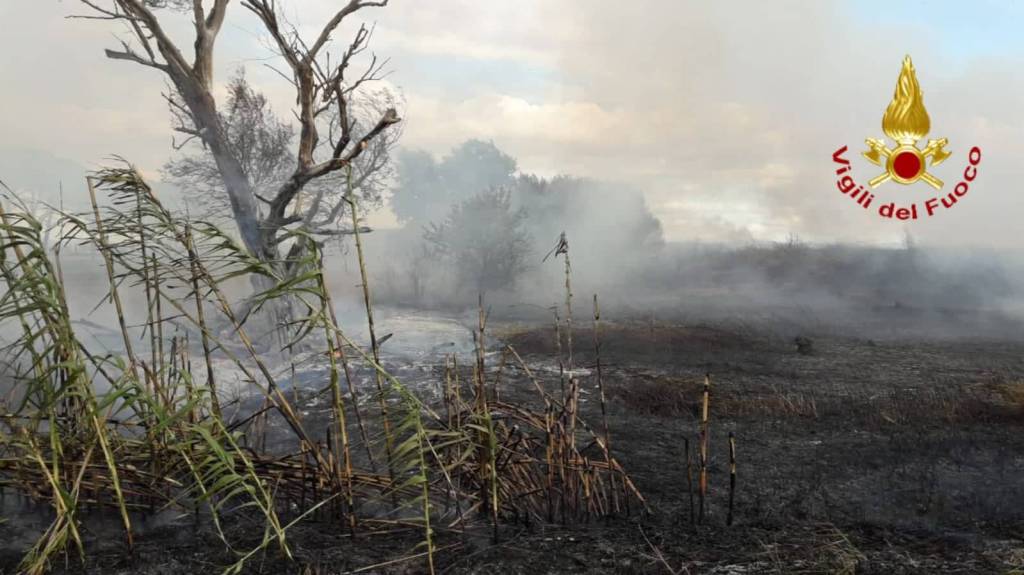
483 240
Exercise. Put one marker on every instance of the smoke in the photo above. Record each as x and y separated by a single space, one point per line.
718 120
741 108
700 135
725 114
618 250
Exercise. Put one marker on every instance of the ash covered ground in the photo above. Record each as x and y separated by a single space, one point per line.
899 453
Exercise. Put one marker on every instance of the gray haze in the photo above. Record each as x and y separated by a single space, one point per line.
715 120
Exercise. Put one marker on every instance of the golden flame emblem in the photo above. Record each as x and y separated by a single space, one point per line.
906 121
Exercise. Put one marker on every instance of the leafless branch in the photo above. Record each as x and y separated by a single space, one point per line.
334 22
128 54
321 87
340 232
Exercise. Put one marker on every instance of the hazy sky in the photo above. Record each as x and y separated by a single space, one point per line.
725 113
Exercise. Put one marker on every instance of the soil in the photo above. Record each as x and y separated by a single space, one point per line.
903 455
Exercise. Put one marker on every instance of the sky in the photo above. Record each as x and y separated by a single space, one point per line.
725 114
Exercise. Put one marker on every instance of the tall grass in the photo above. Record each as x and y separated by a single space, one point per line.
139 430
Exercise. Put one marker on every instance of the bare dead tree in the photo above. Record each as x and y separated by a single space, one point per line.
260 140
263 143
325 89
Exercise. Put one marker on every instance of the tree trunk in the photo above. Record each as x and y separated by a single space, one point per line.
258 239
236 182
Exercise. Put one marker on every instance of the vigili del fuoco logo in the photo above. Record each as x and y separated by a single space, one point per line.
905 122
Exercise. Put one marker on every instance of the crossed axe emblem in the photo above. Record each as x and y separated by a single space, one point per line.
906 163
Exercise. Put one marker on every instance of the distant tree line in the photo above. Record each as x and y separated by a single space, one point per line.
487 222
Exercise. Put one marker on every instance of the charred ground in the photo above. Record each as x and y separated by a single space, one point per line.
890 456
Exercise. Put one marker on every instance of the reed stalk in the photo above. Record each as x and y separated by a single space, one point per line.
374 347
340 347
154 441
732 476
689 477
201 318
338 404
604 402
704 429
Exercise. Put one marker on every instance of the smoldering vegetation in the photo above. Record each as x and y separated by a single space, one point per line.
528 375
132 431
473 223
536 424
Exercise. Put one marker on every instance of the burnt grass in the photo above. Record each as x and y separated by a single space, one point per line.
896 456
854 456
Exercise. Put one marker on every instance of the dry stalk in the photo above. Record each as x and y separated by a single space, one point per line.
338 404
689 477
374 347
201 318
704 412
340 351
604 402
732 476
